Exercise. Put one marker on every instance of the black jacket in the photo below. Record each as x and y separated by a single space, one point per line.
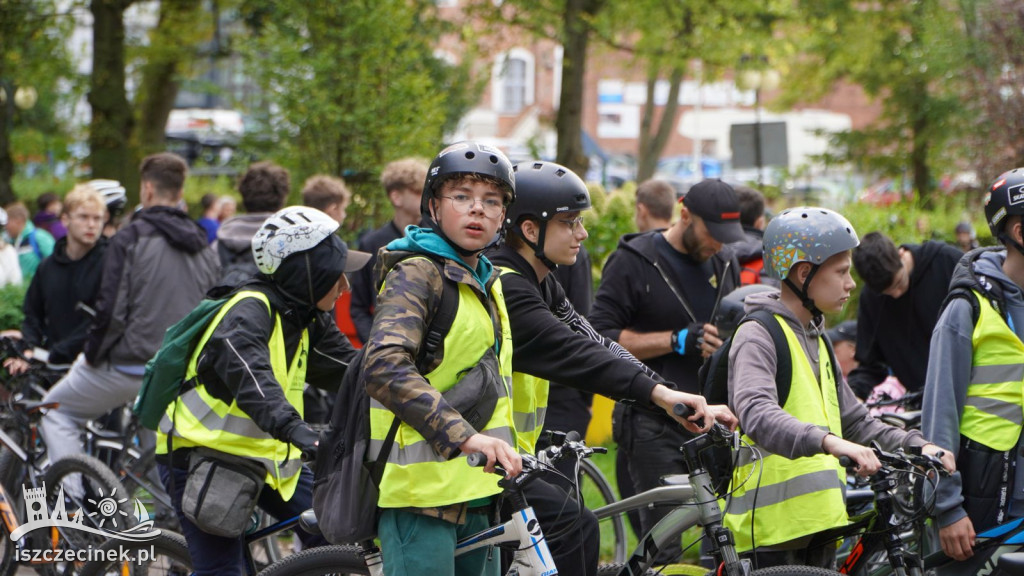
639 292
52 318
551 341
364 297
895 333
235 362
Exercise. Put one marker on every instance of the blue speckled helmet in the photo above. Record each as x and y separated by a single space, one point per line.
805 234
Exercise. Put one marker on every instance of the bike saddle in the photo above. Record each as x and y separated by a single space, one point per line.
308 522
1012 563
34 407
904 420
102 432
675 480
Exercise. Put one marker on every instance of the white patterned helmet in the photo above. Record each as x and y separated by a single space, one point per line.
289 231
113 194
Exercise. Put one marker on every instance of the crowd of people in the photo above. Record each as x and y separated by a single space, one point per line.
505 243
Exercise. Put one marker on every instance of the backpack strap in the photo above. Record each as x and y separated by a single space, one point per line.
442 320
972 298
783 359
34 243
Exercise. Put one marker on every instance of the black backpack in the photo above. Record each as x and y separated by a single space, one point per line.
714 373
345 481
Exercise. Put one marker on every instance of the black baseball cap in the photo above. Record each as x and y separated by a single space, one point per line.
844 331
716 203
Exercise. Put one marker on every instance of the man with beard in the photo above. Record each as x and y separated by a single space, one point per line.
656 299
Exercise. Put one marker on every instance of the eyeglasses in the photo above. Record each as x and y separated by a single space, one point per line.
463 203
574 225
86 217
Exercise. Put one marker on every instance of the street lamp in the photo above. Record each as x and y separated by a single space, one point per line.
754 74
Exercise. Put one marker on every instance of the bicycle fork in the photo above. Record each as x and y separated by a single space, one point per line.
533 556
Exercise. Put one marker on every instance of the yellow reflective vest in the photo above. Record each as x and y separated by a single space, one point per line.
199 419
787 499
529 404
417 476
994 411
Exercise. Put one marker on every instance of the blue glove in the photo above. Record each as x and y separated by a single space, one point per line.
685 341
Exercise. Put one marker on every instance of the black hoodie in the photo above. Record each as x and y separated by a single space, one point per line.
641 292
53 319
156 270
894 334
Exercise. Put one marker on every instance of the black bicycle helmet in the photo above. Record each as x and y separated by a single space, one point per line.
544 189
1005 199
468 158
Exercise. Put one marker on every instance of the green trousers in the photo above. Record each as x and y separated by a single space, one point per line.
414 544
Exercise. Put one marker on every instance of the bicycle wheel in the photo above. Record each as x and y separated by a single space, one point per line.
794 571
596 493
7 562
167 555
91 489
136 469
337 560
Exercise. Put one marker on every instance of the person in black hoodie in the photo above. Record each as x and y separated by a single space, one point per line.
66 281
657 297
899 306
155 271
552 341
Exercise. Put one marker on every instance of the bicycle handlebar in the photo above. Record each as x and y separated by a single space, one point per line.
717 431
902 460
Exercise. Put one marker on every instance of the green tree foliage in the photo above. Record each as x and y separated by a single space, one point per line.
909 56
350 86
32 54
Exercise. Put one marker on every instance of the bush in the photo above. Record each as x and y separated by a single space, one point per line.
11 297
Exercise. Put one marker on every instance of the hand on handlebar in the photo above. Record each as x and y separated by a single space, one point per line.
701 419
864 460
497 451
944 456
16 366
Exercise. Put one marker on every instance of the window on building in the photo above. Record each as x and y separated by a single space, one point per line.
513 83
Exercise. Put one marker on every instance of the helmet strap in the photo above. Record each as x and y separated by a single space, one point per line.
538 247
802 293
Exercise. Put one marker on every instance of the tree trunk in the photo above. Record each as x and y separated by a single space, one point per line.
6 162
652 145
569 119
160 75
111 125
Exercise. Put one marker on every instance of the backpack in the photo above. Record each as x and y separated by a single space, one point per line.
165 371
345 482
714 379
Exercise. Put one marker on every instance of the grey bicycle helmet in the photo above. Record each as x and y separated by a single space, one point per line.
544 189
1005 199
113 194
805 234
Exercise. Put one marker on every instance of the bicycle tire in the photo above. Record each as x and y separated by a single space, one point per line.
11 467
97 484
171 558
794 571
8 564
323 561
618 523
669 570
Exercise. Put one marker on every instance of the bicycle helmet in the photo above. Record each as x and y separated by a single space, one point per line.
468 158
805 234
3 217
289 231
113 194
1005 199
544 189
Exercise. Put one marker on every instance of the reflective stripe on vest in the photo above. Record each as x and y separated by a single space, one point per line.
199 419
529 403
994 412
786 499
415 475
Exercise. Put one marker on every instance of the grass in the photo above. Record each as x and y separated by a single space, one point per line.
592 498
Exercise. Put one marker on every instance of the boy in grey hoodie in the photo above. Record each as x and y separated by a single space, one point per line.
973 394
776 510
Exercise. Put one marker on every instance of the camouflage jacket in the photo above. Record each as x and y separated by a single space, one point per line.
404 309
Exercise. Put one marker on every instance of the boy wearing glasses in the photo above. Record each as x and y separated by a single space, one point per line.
552 341
429 496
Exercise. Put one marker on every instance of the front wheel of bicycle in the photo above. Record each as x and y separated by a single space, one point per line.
337 560
598 492
166 555
689 570
794 571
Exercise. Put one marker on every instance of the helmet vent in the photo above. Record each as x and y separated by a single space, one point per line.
538 165
494 159
804 215
470 155
559 172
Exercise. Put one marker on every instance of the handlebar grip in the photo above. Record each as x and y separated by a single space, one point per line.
682 410
572 436
846 462
477 459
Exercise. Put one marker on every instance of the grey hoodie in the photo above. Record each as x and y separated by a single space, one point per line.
949 371
755 400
